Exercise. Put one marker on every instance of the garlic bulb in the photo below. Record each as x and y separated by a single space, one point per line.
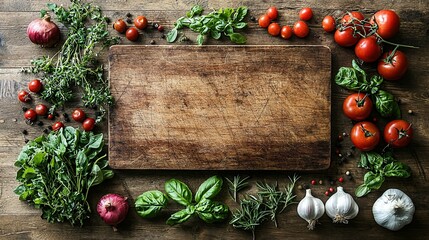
310 209
341 207
393 210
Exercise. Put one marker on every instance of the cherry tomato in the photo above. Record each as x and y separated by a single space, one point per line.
56 126
365 136
140 22
305 14
41 110
368 50
120 26
264 21
24 96
392 67
30 114
132 34
300 29
35 85
328 23
78 115
274 29
357 106
272 13
398 133
352 18
286 32
88 124
346 38
387 22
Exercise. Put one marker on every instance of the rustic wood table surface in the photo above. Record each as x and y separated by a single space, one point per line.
20 221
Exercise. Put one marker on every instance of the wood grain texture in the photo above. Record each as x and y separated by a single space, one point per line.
220 107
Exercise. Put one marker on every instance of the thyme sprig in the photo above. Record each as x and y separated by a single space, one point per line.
236 185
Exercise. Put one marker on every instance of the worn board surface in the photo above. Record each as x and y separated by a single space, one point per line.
220 107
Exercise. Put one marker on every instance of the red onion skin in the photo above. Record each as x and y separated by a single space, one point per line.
43 32
112 208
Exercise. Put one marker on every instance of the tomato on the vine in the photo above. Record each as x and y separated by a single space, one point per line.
78 115
120 26
56 126
24 96
274 29
305 14
272 13
368 49
392 66
328 23
41 109
132 34
88 124
30 114
140 22
346 38
357 106
387 22
35 85
286 32
264 21
352 18
300 29
398 133
365 136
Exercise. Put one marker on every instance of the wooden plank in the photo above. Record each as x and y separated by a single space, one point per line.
217 107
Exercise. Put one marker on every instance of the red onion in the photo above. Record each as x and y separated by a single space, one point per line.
43 32
113 209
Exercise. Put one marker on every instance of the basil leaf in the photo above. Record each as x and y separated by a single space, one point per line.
362 190
215 34
237 38
240 13
209 188
210 211
150 203
240 25
386 105
196 10
397 169
172 35
200 39
179 217
372 180
375 160
178 191
352 78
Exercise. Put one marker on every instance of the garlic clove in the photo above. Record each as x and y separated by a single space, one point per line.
341 207
310 209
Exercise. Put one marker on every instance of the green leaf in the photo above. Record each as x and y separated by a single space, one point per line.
240 25
171 35
29 173
52 6
200 39
107 174
397 169
362 190
209 188
237 38
43 12
371 160
150 203
38 158
210 211
386 105
215 34
196 10
372 180
240 13
178 191
179 217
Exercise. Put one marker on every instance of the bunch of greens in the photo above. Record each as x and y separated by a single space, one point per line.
269 202
354 78
57 170
225 20
150 203
75 65
379 167
236 185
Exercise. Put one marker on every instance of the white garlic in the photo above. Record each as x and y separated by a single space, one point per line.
393 210
341 207
310 209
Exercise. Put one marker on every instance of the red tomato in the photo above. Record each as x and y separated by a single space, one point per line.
274 29
345 38
300 29
56 126
328 23
357 106
120 26
41 110
365 136
132 34
88 124
30 114
387 22
35 85
352 18
368 49
398 133
392 68
272 13
305 14
78 115
140 22
264 21
286 32
24 96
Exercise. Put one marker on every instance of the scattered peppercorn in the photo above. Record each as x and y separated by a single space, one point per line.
129 21
67 119
46 130
152 42
25 132
331 189
345 134
348 173
160 28
340 155
327 193
50 116
163 36
65 115
40 123
349 154
410 111
320 181
253 19
50 128
340 138
24 109
26 140
341 179
155 25
128 15
300 187
313 182
108 21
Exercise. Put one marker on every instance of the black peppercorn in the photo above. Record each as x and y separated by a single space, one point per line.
50 127
253 19
128 15
24 109
129 21
25 132
26 140
152 41
155 25
46 130
40 123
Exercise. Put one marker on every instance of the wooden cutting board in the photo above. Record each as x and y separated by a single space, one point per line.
220 107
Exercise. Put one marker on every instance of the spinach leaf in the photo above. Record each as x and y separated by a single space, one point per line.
150 203
209 188
179 192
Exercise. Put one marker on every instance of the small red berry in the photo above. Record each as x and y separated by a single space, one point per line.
327 193
160 28
341 179
340 138
313 182
50 116
331 189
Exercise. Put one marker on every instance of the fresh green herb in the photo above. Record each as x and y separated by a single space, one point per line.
379 167
225 20
236 185
149 204
354 78
57 170
75 65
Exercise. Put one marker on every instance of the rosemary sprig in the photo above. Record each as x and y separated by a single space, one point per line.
236 185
